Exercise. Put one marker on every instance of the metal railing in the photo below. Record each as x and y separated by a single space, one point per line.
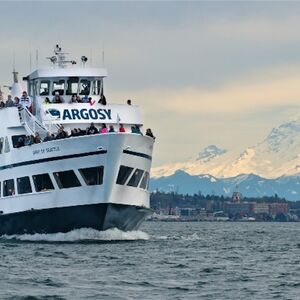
31 123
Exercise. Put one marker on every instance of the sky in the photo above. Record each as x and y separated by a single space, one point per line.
203 72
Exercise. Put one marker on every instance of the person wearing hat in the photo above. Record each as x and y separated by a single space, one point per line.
57 98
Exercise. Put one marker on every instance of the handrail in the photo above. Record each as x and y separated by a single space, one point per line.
31 123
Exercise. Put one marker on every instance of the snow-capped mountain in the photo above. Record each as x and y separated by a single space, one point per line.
277 155
249 185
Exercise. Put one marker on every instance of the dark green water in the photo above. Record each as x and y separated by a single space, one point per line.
162 261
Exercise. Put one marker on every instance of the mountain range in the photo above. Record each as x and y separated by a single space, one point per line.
271 166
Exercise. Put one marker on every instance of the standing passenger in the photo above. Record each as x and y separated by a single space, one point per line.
121 129
104 129
25 101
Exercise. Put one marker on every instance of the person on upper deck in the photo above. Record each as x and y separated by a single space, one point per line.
102 100
57 98
121 128
104 129
78 99
9 102
111 128
25 100
47 100
73 99
17 102
149 133
129 102
92 129
136 129
2 104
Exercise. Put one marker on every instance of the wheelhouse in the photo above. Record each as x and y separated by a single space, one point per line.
82 82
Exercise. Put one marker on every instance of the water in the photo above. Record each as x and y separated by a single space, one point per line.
161 261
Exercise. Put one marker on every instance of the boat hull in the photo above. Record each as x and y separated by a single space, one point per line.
101 216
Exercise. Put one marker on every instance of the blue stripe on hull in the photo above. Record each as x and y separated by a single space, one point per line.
97 216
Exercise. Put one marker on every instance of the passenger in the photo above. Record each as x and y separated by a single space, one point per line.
20 143
74 133
104 129
136 129
78 99
121 128
102 100
85 99
37 139
28 140
47 100
17 102
57 98
48 137
91 102
2 104
81 132
111 128
61 134
25 100
129 102
149 133
9 102
73 99
92 129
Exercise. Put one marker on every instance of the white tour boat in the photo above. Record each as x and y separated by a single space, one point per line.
95 181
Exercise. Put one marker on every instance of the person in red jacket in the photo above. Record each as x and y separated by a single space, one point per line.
121 129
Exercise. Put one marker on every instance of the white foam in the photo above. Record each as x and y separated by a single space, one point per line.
192 237
83 234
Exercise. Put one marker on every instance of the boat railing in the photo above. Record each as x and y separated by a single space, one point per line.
31 123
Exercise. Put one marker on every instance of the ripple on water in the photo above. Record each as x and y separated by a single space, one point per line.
162 261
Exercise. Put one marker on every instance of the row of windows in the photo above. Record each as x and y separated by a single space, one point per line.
71 86
137 178
4 145
43 182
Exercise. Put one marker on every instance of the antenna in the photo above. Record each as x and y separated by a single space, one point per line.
37 58
103 54
30 61
91 56
14 62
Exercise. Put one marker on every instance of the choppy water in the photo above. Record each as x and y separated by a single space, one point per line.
162 261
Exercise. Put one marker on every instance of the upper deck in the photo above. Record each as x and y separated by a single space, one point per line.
67 94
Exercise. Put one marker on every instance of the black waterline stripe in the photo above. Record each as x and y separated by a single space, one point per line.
137 154
32 162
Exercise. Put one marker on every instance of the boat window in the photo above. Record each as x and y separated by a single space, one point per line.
44 88
23 185
135 178
97 87
6 147
18 140
42 182
84 87
66 179
30 88
58 86
1 145
92 176
72 86
145 181
124 174
8 188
